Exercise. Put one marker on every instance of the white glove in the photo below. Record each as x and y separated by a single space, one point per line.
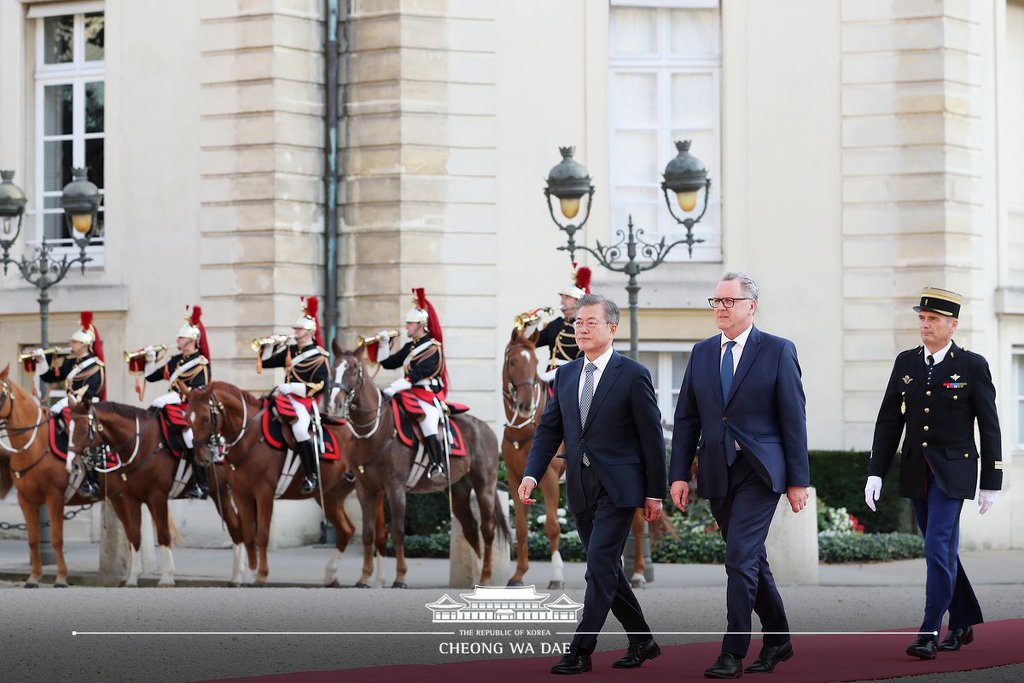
986 499
872 490
383 346
295 388
41 365
529 330
400 384
150 354
548 376
268 351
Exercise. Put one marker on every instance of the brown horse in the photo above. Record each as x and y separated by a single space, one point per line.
226 421
383 464
143 473
524 396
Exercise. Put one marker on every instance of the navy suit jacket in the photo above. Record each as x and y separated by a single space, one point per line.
764 412
622 438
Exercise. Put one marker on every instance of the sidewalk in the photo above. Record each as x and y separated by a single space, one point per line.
304 567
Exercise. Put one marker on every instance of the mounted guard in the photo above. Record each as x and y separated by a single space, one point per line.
558 334
186 370
84 378
307 372
424 385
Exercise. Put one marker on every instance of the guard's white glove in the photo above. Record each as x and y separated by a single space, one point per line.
529 330
986 499
150 354
548 376
295 388
383 345
267 352
41 365
872 490
398 385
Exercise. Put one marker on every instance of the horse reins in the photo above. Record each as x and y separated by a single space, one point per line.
7 396
350 400
508 399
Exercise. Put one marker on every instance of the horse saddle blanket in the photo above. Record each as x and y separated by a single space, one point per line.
172 425
408 430
274 434
59 433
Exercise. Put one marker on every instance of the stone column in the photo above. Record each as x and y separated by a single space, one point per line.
793 543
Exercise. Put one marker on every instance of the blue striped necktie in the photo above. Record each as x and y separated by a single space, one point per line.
585 398
727 373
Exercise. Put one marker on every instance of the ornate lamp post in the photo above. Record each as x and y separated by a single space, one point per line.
81 203
684 176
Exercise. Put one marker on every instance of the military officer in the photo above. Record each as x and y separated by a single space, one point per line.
84 378
424 384
186 370
936 394
559 335
307 372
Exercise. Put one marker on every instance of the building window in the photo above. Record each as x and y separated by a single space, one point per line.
69 105
667 363
664 70
1018 371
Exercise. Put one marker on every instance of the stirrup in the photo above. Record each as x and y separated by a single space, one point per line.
435 472
197 492
89 490
308 486
350 476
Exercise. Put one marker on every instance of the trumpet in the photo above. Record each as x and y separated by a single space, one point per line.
523 320
158 349
275 339
51 351
363 341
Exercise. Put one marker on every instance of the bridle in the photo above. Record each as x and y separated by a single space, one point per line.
217 443
350 401
509 397
7 398
98 454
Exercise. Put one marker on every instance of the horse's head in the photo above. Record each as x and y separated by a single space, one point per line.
205 414
6 393
519 376
349 375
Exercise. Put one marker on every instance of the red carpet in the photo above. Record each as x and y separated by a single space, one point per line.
817 659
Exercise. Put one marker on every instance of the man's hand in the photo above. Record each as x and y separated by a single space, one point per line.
872 491
797 497
680 492
652 510
986 499
525 489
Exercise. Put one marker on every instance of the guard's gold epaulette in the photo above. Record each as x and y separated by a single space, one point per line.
100 363
203 360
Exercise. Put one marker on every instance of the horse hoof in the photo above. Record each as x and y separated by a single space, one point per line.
234 584
60 584
31 584
399 584
360 584
555 585
165 584
332 584
514 582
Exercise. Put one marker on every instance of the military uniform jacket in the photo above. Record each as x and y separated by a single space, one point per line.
82 378
939 422
308 365
560 336
183 372
423 360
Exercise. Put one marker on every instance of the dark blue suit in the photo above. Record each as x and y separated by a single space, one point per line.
623 442
765 414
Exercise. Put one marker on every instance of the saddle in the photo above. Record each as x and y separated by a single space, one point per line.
407 428
172 423
279 438
59 439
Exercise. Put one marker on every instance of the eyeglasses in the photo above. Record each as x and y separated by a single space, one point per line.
727 302
589 324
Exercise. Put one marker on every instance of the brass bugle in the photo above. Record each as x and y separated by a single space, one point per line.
363 341
275 339
51 351
530 317
158 349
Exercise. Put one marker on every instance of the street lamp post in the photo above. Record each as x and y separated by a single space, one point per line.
81 203
569 182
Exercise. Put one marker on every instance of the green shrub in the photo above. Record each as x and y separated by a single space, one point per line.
869 547
839 478
690 547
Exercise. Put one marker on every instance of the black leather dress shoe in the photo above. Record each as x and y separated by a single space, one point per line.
769 657
637 654
727 666
956 638
574 662
923 648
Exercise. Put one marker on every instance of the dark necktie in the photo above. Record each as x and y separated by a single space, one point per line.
727 373
931 366
585 398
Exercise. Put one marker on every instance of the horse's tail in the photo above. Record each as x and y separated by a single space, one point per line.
501 521
6 482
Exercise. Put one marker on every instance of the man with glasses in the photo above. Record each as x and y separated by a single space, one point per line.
605 410
741 415
936 393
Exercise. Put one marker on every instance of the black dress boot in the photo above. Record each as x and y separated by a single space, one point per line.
200 486
308 457
435 472
90 487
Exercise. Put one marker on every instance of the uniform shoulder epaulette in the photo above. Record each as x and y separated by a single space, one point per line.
100 363
323 352
203 360
435 342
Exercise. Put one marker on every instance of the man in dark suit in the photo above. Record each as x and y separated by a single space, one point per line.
937 392
741 415
605 410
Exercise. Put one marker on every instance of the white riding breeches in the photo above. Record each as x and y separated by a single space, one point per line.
59 406
302 419
431 415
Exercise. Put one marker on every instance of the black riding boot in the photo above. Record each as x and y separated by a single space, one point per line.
308 456
90 486
435 450
201 486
